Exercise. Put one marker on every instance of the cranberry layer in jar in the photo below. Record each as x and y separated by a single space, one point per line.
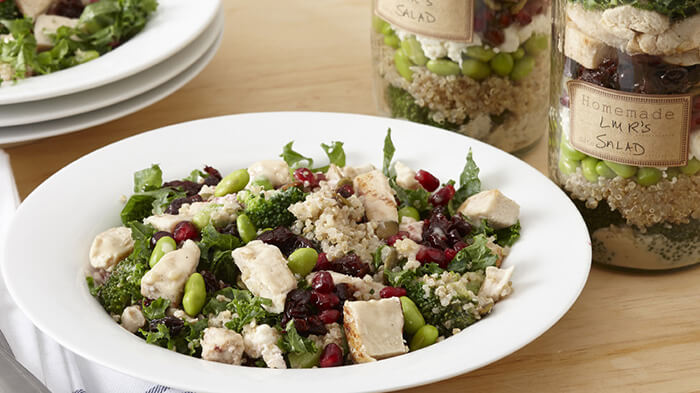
634 170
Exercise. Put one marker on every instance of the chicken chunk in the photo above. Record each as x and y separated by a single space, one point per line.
46 25
261 341
374 329
33 8
377 196
498 210
275 171
166 222
497 284
587 51
405 176
110 247
222 345
132 319
167 278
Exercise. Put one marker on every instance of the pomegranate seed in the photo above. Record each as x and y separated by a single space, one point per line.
523 17
332 356
399 236
427 180
329 316
320 176
450 254
505 20
494 37
443 195
325 301
305 176
346 190
323 282
459 245
387 292
429 254
564 101
184 230
322 262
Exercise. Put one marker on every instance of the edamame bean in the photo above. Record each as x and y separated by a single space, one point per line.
691 168
480 53
409 211
403 65
387 30
412 318
536 44
246 229
263 183
378 24
502 64
202 218
426 335
414 51
392 40
673 172
588 165
569 152
622 170
518 54
195 294
648 176
475 69
233 182
522 68
302 261
605 171
443 67
163 246
567 166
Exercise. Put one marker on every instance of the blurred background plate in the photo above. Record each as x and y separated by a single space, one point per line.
27 113
25 133
172 27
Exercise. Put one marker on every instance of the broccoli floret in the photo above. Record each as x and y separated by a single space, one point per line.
122 288
446 300
272 212
404 106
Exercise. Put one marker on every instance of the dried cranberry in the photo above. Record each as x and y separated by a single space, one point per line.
305 176
400 235
443 195
344 292
184 230
523 17
450 253
210 281
173 324
427 180
494 37
176 204
325 301
322 282
388 292
332 356
604 76
229 229
460 224
315 326
428 254
286 240
189 187
329 316
67 8
350 264
322 262
505 20
156 236
459 245
346 190
213 173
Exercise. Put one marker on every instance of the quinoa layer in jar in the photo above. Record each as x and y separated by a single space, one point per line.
639 59
493 86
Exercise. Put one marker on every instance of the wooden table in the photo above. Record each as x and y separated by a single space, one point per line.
628 332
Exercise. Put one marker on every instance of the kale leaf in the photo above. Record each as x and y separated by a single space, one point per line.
475 257
469 184
215 254
388 153
148 179
156 310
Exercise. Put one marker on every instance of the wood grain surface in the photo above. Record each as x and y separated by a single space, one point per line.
628 332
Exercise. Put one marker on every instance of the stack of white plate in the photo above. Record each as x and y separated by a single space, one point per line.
177 43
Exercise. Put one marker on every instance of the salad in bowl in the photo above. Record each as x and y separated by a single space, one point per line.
285 264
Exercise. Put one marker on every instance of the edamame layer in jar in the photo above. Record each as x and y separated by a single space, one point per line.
625 127
491 84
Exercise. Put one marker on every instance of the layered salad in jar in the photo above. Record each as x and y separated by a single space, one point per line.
493 88
639 216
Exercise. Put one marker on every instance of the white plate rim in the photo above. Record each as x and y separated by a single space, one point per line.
189 19
254 377
27 133
27 113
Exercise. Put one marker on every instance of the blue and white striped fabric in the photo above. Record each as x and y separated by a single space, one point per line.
59 369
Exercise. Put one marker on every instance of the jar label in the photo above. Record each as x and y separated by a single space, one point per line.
451 20
629 128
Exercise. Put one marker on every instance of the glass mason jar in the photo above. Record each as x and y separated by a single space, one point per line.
625 127
476 67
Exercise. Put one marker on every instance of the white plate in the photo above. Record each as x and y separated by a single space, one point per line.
175 24
29 132
27 113
53 228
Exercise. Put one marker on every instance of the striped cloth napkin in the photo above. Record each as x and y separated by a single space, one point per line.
59 369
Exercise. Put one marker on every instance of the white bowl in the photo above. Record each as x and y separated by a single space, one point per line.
51 233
